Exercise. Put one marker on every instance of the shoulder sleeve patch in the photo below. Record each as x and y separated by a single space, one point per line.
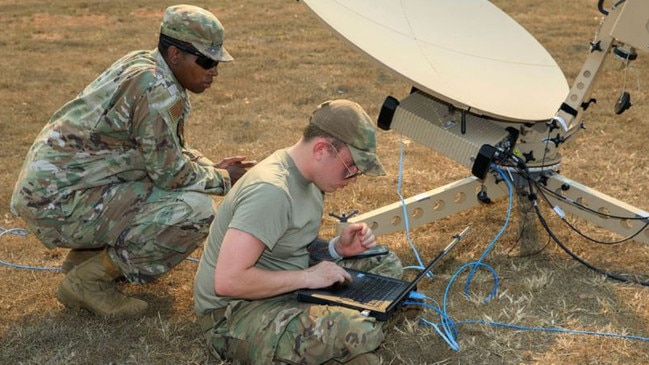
176 110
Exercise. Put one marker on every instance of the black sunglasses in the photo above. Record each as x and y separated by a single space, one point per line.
201 60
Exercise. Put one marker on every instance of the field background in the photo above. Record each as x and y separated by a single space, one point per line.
287 62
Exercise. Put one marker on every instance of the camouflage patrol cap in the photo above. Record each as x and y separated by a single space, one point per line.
198 27
348 122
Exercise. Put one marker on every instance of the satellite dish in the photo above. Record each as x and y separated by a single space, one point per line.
468 53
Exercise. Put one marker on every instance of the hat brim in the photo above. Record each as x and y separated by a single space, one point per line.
367 162
216 53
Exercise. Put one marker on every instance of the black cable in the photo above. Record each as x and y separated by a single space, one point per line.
528 254
579 259
590 210
602 215
523 171
520 235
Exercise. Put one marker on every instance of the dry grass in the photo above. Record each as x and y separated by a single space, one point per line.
286 63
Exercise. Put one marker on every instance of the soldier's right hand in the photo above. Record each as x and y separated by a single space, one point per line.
236 166
324 274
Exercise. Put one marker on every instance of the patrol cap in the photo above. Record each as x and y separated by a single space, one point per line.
198 27
347 121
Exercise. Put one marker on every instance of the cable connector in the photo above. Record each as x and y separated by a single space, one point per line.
559 212
416 295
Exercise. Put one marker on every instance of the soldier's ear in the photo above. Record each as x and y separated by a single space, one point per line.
320 147
173 54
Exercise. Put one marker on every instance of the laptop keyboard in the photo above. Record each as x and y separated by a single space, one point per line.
370 290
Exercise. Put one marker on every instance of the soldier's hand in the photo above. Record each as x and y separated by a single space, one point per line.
355 239
236 166
234 160
325 274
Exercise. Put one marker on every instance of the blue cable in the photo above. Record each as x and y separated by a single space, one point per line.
406 222
449 327
21 232
557 330
478 263
446 328
15 231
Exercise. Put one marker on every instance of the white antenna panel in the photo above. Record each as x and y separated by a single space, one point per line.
468 53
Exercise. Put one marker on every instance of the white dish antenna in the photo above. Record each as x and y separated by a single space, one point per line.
468 53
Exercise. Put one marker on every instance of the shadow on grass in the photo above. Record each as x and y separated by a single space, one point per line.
66 336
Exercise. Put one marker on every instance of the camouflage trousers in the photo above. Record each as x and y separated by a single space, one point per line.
281 330
147 231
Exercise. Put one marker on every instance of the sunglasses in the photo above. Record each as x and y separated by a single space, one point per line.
350 174
201 60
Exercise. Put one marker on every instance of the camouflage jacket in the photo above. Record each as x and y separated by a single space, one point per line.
127 125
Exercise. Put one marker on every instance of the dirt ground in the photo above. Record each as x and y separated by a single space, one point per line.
546 307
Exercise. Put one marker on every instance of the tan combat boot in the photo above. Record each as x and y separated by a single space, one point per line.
77 256
91 286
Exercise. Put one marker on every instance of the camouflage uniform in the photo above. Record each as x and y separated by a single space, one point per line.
285 331
112 168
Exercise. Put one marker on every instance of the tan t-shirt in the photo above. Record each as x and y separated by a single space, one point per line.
277 205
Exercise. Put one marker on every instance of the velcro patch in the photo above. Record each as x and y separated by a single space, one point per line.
176 110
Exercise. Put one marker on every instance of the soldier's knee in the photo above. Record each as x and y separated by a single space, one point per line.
201 205
355 329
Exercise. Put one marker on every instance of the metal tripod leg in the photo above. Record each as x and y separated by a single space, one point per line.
597 202
463 195
430 206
